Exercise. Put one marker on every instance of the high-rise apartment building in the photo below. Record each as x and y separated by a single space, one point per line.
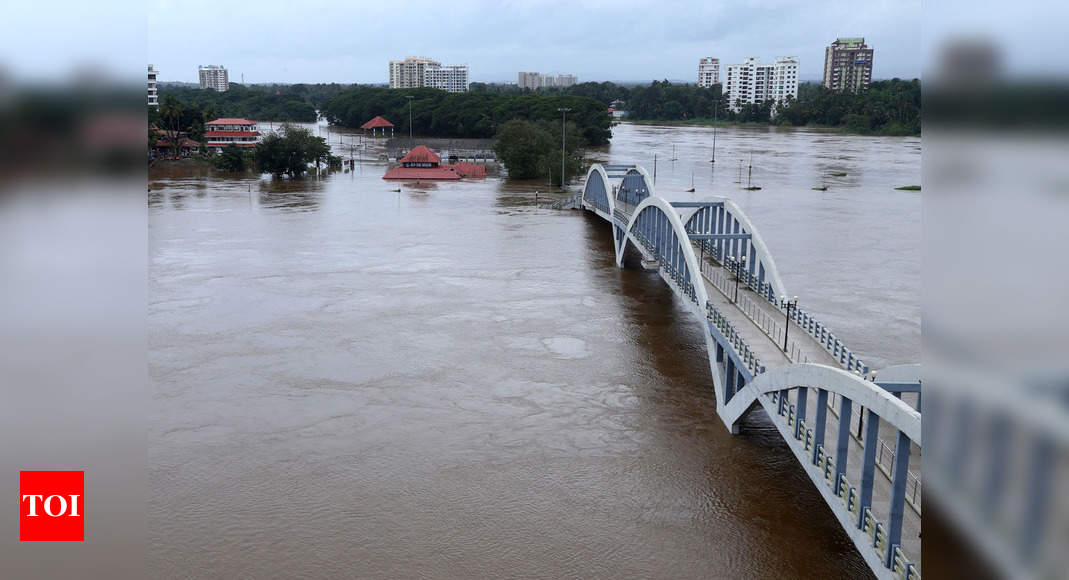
410 72
848 65
708 72
528 80
533 80
752 82
566 80
153 95
452 78
414 72
213 77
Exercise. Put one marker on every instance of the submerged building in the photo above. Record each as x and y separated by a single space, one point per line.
422 163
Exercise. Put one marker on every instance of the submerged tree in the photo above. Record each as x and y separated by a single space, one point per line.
290 150
231 159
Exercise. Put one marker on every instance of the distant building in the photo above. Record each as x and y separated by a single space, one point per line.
848 65
222 132
213 77
753 83
414 72
529 80
534 80
153 94
452 78
708 72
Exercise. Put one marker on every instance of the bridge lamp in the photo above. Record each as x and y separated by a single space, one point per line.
787 305
861 410
740 265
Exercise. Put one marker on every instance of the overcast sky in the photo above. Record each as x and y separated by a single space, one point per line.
320 41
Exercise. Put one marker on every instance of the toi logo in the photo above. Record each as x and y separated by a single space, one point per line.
51 506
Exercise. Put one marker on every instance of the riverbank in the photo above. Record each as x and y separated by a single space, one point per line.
837 129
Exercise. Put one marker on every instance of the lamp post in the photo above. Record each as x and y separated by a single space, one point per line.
787 305
409 97
563 141
861 418
740 265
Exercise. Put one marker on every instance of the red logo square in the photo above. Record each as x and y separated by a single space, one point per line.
52 506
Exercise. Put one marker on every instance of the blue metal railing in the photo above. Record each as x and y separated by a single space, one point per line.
841 487
747 356
801 317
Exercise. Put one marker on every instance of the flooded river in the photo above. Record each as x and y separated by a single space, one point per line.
450 381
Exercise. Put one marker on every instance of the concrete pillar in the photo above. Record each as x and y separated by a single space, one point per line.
868 465
803 395
899 474
1036 512
842 445
998 451
729 379
821 422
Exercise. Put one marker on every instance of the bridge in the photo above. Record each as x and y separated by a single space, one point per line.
855 431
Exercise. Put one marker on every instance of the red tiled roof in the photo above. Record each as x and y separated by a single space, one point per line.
376 122
183 142
231 133
466 169
231 121
420 154
446 172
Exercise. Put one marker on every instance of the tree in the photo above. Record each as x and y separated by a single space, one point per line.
231 159
290 150
522 146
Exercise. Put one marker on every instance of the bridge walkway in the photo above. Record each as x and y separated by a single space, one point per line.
761 324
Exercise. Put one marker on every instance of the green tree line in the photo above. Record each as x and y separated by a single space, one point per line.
891 107
259 104
479 114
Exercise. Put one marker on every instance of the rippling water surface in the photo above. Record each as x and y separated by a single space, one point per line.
449 381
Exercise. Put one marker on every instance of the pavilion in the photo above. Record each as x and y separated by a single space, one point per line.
378 123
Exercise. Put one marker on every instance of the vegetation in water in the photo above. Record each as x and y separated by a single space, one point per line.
531 149
479 114
232 158
909 188
290 150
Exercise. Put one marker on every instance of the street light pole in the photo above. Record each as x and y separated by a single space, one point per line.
787 305
740 265
409 97
563 141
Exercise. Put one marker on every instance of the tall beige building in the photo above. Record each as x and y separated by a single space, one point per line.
409 73
708 72
848 65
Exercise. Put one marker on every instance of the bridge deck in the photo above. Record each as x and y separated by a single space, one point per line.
761 325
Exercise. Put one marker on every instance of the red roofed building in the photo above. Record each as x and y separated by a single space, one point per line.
466 169
422 163
421 157
222 132
378 123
